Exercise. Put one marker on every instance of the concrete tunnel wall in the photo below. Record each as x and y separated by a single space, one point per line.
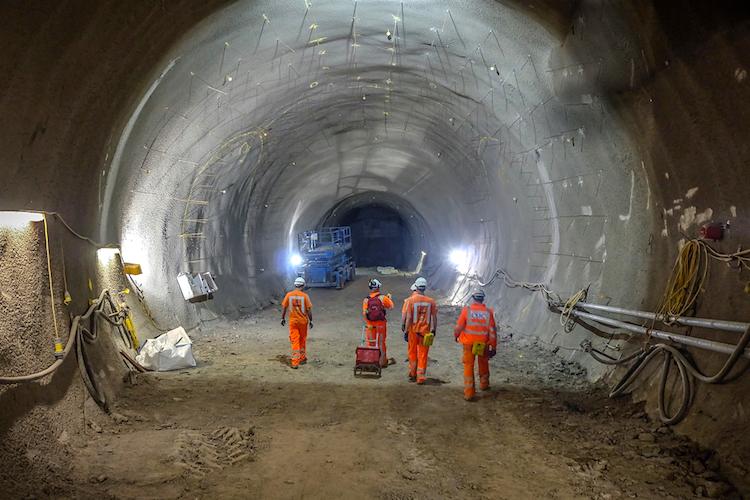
559 140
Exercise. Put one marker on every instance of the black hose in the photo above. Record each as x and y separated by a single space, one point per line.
84 330
688 372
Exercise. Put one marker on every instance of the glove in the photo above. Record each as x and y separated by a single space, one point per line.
456 339
491 351
311 325
283 322
406 337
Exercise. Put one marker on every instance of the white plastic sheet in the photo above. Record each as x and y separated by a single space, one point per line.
170 351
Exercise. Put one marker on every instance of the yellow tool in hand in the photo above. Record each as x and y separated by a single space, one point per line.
477 349
428 339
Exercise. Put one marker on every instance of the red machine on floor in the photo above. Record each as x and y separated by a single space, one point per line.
367 357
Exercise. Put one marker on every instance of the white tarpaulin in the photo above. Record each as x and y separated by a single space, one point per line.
170 351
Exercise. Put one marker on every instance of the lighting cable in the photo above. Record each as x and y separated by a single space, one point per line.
58 347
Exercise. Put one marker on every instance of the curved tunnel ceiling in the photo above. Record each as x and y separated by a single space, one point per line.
269 114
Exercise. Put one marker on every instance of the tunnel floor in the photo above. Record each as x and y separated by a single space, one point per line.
242 424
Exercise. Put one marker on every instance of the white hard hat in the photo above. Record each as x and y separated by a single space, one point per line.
300 281
420 283
413 287
375 283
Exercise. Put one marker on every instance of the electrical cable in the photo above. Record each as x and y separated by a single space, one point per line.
685 284
566 320
102 307
73 231
49 275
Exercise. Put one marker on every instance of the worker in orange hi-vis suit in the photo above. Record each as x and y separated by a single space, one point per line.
476 330
413 289
419 318
300 316
374 312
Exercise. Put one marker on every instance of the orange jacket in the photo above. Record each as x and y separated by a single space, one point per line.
420 314
299 305
403 308
385 299
476 324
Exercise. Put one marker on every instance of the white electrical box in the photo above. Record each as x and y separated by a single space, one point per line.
197 287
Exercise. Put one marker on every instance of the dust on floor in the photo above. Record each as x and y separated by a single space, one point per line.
244 425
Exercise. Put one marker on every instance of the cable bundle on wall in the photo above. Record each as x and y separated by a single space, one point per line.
83 330
684 286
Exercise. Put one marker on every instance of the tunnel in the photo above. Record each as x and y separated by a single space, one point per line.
552 153
386 231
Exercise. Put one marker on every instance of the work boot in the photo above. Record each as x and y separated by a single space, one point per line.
420 382
472 399
303 362
484 388
412 378
293 367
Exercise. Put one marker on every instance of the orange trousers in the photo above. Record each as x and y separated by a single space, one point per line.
417 357
378 330
484 372
298 339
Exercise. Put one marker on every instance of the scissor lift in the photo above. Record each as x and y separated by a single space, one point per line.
327 257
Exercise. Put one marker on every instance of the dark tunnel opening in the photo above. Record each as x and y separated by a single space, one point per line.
380 237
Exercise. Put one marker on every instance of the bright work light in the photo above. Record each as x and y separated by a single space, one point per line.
19 220
461 259
295 259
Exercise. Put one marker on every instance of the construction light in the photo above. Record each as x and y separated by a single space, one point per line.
295 260
105 255
19 220
461 259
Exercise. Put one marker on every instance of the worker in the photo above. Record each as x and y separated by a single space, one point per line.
476 330
374 308
413 289
300 316
419 324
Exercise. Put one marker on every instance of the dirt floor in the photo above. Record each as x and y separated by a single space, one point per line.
244 425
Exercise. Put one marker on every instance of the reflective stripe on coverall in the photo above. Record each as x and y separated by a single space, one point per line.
476 324
419 317
377 329
299 305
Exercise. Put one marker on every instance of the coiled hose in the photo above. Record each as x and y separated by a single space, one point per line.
83 330
688 372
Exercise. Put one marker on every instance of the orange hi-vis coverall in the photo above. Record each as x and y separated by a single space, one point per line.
377 329
419 317
299 306
476 324
403 308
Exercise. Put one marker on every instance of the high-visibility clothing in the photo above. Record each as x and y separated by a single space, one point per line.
484 371
419 316
417 357
298 339
403 308
377 329
420 313
476 324
299 305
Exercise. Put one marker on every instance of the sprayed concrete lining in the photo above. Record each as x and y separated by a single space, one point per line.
574 143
